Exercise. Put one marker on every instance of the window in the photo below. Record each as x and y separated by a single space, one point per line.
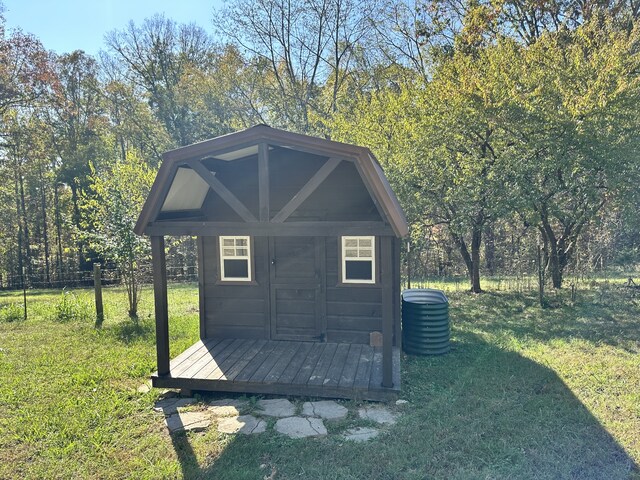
235 259
358 259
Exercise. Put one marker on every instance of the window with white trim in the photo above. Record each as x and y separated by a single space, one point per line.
235 259
358 259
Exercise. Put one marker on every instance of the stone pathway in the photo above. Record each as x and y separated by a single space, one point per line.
185 414
327 409
301 427
187 421
245 424
279 407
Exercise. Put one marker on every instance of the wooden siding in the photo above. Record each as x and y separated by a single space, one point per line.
341 197
289 171
282 306
235 310
283 367
353 311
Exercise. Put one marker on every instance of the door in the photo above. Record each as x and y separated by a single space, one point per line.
296 288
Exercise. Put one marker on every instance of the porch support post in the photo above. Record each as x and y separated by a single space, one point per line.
386 272
161 304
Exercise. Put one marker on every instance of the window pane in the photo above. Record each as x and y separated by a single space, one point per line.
228 252
358 270
242 252
227 242
241 242
236 269
365 242
351 253
350 242
365 253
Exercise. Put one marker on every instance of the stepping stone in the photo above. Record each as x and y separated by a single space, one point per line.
327 409
402 402
225 408
144 388
245 424
171 405
187 421
378 414
301 427
360 434
279 407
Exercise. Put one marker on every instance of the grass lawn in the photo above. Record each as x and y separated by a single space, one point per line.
524 393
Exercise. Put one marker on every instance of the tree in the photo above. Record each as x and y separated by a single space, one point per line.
300 47
119 191
25 70
155 58
578 94
80 129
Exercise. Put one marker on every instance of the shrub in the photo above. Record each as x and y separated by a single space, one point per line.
71 308
11 313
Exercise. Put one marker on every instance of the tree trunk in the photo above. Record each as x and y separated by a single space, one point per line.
471 260
58 221
476 242
490 250
25 226
45 229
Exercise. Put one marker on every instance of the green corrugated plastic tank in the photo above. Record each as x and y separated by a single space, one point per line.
425 321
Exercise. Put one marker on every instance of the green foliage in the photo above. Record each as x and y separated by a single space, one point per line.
119 193
12 312
541 131
71 308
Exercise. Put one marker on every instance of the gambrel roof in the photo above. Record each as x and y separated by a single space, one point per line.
186 179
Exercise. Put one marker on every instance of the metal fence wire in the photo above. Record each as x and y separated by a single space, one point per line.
109 276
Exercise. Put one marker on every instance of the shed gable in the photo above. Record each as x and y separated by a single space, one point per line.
268 176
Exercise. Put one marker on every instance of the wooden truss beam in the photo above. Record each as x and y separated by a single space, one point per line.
224 193
304 193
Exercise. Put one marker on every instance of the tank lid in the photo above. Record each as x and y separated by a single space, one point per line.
424 295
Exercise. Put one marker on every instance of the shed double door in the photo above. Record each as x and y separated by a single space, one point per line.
297 293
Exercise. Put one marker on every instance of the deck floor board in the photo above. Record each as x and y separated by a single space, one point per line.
328 370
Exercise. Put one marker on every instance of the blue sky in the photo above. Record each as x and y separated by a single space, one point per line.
67 25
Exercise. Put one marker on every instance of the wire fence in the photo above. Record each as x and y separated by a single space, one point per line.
109 275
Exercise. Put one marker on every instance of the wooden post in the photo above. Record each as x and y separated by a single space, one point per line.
201 280
386 273
161 304
97 286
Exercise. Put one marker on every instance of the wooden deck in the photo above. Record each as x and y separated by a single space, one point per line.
332 370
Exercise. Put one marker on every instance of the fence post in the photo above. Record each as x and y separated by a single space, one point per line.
97 285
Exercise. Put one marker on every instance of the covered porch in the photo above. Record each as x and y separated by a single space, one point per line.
331 370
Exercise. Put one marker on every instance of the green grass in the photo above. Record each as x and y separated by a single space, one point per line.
524 393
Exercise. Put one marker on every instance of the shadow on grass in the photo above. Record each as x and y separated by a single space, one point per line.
134 330
609 317
477 412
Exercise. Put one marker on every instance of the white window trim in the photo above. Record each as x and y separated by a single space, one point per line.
372 259
224 257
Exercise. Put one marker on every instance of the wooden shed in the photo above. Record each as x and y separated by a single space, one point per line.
298 262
